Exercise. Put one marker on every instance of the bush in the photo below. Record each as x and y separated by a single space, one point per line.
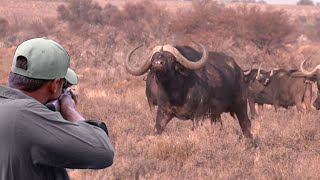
305 2
111 15
245 32
137 22
145 22
268 30
79 13
206 22
4 26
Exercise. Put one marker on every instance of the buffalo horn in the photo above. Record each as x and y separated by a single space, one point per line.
247 72
271 73
308 73
184 61
258 73
137 71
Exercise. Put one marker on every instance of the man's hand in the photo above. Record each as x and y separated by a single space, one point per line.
74 94
68 106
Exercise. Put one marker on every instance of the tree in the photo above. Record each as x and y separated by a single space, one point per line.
268 29
305 2
4 26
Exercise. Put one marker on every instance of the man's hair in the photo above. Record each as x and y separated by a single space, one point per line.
22 82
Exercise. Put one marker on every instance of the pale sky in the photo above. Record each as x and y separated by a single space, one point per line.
286 1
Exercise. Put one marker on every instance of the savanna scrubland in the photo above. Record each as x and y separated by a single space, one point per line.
99 34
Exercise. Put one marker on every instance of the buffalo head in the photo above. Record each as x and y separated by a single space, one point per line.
314 76
257 75
256 81
163 59
170 69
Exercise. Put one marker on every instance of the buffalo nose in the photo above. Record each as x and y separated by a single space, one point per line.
159 63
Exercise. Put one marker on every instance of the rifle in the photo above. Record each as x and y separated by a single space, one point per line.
54 105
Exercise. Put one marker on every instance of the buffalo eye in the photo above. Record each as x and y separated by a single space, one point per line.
179 68
171 59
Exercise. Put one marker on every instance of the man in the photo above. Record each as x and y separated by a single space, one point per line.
35 142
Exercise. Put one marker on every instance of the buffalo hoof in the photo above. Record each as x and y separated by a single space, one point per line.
157 131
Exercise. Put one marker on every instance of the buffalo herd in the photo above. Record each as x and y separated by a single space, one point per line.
192 85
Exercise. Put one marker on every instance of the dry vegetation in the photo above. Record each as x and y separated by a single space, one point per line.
99 34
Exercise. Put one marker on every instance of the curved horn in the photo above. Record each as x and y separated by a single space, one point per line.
271 73
184 61
308 73
247 72
258 73
137 71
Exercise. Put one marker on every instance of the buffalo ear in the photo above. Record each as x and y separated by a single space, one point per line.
246 79
181 69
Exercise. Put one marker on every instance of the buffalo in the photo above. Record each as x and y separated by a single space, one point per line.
191 85
284 89
312 76
256 80
151 90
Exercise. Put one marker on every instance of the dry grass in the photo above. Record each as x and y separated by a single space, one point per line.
288 142
6 55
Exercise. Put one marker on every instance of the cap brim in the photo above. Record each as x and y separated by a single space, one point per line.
71 77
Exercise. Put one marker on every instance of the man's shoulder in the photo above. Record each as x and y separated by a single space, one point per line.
20 104
11 93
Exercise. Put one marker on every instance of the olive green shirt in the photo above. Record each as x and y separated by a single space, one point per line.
36 143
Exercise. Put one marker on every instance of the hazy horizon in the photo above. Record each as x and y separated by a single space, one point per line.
286 1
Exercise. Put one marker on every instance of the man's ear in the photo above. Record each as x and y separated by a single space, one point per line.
53 85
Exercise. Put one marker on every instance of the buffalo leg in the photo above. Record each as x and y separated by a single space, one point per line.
260 108
275 102
162 120
308 97
195 123
152 110
214 119
245 124
202 121
252 109
276 106
299 106
240 110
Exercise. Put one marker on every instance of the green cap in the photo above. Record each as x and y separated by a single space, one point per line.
46 60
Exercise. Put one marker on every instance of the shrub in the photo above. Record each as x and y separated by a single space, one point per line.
111 15
4 26
267 29
145 22
305 2
205 22
79 13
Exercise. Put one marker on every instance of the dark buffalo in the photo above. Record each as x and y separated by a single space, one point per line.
285 89
312 75
189 88
152 96
152 90
256 80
